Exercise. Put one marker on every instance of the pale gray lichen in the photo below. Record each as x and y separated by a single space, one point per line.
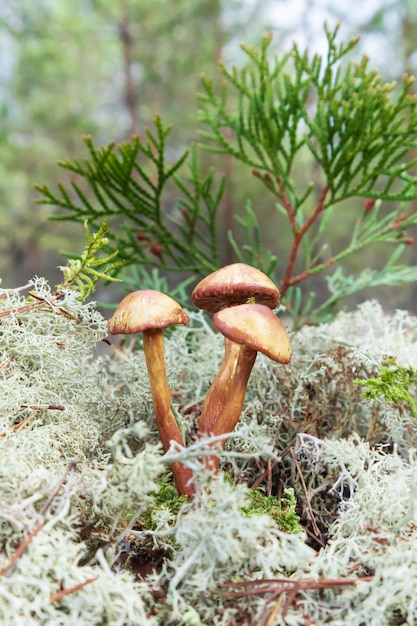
63 406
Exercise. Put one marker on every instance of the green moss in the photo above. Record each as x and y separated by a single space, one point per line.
392 383
168 504
282 511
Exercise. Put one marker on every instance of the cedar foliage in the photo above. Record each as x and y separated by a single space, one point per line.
273 116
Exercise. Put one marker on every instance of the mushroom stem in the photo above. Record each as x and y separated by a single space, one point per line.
224 401
153 345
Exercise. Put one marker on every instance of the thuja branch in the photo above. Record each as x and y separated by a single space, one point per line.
284 117
360 134
156 216
298 234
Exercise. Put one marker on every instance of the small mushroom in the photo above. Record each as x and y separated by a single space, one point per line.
149 312
248 329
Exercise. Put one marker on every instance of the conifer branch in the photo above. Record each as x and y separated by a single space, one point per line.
273 115
130 186
360 132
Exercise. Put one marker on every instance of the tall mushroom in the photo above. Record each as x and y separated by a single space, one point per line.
255 328
149 312
241 297
250 328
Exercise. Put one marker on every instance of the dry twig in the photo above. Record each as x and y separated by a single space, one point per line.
56 597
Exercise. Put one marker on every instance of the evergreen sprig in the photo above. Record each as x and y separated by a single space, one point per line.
346 118
360 133
133 181
280 117
81 272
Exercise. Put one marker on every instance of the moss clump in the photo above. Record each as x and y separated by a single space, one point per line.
282 510
392 383
167 504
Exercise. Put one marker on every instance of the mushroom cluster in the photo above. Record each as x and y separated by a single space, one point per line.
242 300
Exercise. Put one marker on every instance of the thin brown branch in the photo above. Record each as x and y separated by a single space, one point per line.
6 361
313 521
286 203
56 597
21 309
273 614
35 410
303 275
281 585
43 407
70 467
6 292
319 208
57 296
313 536
40 301
22 424
7 569
298 234
20 550
283 454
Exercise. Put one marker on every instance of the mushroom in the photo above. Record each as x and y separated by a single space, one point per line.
231 288
233 284
248 329
149 312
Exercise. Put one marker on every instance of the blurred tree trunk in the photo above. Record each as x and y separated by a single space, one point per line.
130 93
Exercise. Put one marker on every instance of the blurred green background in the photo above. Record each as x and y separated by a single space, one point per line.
105 67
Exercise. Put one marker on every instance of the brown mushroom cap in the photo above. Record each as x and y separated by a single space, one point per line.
145 310
256 326
234 284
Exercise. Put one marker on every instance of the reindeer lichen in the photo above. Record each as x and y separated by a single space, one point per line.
79 449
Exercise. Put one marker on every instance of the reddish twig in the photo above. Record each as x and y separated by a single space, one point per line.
298 234
6 292
35 412
307 273
40 301
21 309
56 597
6 361
43 407
281 585
20 550
275 611
22 424
70 467
7 569
57 309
